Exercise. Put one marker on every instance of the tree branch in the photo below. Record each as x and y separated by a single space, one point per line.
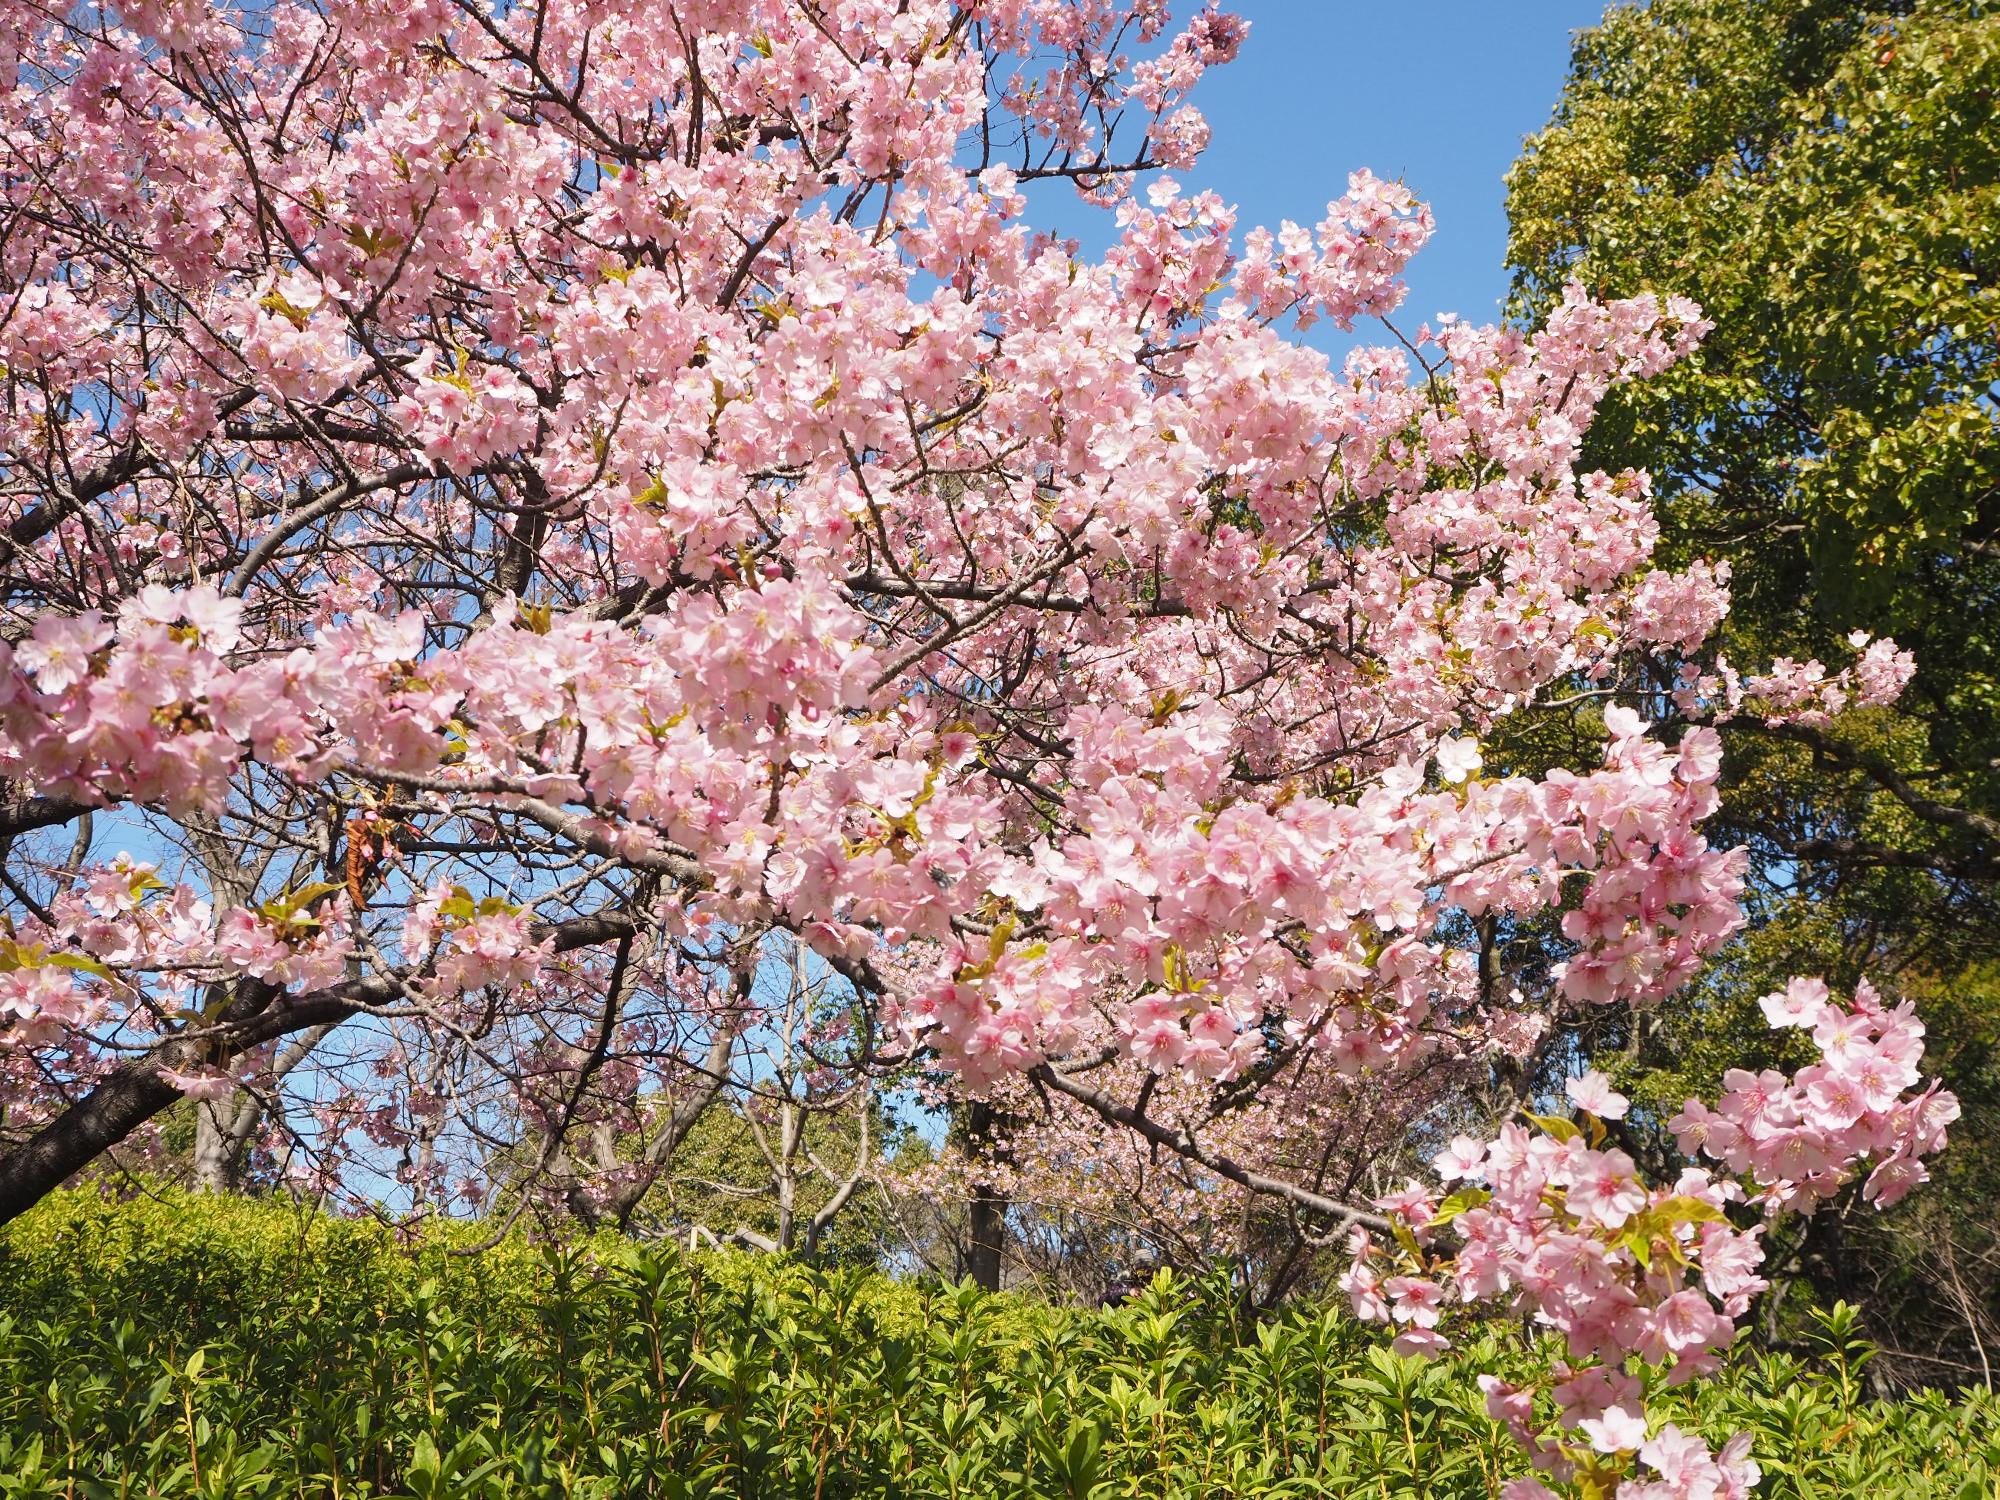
134 1093
1184 1145
1878 769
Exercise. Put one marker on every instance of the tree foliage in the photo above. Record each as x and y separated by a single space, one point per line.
1825 180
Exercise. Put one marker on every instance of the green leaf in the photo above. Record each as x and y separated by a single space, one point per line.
1465 1198
1554 1125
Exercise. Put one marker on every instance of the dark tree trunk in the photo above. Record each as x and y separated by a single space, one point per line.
113 1110
987 1212
989 1228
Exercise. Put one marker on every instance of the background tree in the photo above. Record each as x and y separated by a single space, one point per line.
1824 178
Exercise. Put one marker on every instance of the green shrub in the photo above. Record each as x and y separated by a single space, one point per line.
208 1347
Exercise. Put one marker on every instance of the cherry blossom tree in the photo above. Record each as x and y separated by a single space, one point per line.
1084 1206
507 509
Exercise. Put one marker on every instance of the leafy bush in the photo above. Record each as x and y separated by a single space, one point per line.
216 1347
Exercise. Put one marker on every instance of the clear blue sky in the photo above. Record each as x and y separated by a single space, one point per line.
1437 92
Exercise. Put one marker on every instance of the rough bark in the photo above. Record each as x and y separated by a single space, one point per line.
986 1213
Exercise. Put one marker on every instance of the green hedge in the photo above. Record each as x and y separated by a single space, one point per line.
203 1347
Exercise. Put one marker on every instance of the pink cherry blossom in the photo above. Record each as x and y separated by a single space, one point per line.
1659 1273
1458 759
1592 1092
1802 1002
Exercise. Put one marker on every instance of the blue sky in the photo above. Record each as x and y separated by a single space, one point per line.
1437 92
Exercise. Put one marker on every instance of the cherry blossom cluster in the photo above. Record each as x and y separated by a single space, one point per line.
1807 693
122 954
1797 1138
1556 1223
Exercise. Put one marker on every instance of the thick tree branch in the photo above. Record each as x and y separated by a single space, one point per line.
38 812
1878 769
134 1093
1862 852
1184 1145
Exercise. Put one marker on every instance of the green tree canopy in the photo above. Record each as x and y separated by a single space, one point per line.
1824 178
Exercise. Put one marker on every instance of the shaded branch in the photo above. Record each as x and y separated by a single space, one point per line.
1184 1145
